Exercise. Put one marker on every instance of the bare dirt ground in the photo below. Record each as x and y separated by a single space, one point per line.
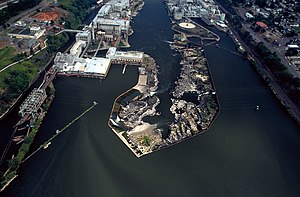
4 41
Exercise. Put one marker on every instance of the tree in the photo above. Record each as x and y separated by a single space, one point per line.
31 51
146 141
261 3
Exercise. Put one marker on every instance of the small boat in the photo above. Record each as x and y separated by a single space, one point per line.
257 107
46 145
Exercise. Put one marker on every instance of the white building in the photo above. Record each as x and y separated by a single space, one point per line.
84 36
69 64
35 29
77 48
124 56
28 33
119 5
104 11
112 26
178 13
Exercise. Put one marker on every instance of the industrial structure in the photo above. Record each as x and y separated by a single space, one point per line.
33 102
207 10
70 65
125 57
34 32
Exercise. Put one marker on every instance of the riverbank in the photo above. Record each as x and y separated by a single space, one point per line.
32 122
267 76
15 162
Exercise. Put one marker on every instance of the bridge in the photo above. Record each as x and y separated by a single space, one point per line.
73 30
70 30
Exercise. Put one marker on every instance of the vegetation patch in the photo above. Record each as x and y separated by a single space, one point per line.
77 11
7 55
14 80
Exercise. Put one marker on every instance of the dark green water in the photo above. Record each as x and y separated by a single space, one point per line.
244 153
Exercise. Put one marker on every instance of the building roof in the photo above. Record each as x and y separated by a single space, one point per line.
97 65
129 54
115 22
293 46
105 9
111 52
261 24
76 47
83 34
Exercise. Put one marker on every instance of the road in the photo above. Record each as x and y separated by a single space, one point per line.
278 50
280 53
278 91
12 20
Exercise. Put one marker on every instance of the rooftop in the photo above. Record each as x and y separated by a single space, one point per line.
261 24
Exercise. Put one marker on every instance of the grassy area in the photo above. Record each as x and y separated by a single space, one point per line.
6 56
146 141
66 3
15 79
297 29
27 66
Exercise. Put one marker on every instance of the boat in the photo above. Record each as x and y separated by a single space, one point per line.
257 107
46 145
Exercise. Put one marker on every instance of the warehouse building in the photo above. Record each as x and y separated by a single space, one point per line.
70 65
127 57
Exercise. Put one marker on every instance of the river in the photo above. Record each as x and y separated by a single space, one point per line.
244 153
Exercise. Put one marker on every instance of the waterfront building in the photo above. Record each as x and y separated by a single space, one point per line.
124 56
33 102
110 7
104 11
112 26
178 13
70 65
119 5
77 48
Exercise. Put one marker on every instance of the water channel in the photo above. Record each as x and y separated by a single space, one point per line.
244 153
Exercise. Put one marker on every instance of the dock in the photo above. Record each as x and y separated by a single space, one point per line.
46 144
124 69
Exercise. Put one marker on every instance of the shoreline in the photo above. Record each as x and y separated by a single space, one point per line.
27 142
140 92
268 78
22 95
266 75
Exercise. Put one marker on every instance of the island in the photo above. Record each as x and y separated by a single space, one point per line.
194 99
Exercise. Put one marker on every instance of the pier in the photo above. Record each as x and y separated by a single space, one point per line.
124 69
46 144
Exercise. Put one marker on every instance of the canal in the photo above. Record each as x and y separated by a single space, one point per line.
244 153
